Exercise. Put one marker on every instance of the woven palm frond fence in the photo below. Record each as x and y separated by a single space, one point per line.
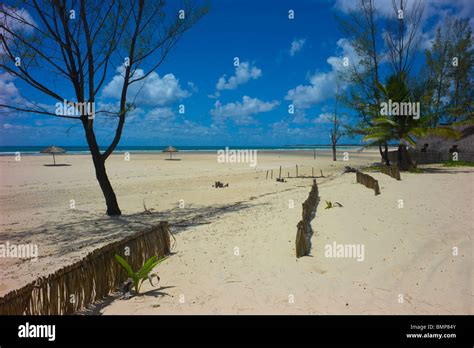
84 282
392 171
303 234
368 181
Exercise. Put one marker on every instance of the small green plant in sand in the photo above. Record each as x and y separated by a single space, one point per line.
330 205
144 272
458 164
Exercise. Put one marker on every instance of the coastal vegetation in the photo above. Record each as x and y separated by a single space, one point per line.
442 87
144 273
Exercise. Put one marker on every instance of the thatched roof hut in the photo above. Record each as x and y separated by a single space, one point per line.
437 144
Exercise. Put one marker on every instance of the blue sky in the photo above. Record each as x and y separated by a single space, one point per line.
282 62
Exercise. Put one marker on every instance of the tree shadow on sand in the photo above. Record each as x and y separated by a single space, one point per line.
69 237
97 307
57 165
447 170
85 230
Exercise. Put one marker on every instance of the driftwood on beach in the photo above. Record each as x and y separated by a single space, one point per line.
368 181
84 282
304 231
219 184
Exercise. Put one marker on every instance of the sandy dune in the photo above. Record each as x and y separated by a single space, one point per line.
235 246
407 251
36 199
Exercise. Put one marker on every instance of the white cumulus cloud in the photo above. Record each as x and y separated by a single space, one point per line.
161 114
433 14
321 87
241 112
296 46
323 84
385 7
8 90
243 73
324 118
17 20
151 91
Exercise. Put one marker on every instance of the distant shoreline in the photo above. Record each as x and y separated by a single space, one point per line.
83 150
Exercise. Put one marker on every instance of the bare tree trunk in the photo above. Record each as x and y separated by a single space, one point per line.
335 135
104 183
381 153
384 154
100 172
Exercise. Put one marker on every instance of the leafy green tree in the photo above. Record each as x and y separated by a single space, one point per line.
402 127
362 76
449 83
461 72
438 64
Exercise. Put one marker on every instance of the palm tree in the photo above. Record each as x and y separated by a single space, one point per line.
402 127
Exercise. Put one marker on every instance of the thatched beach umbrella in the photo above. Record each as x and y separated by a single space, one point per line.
170 149
53 150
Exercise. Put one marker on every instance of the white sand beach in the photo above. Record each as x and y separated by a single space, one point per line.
407 251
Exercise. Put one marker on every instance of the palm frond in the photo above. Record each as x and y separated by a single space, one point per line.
408 138
381 136
444 132
385 120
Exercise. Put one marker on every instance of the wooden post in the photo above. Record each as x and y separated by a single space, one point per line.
288 174
272 174
312 172
314 155
302 247
376 188
279 176
266 177
322 176
296 170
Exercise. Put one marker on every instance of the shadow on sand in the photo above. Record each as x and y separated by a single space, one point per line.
57 165
71 236
96 308
80 229
447 170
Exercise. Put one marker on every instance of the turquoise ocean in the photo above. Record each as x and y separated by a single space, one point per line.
32 150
